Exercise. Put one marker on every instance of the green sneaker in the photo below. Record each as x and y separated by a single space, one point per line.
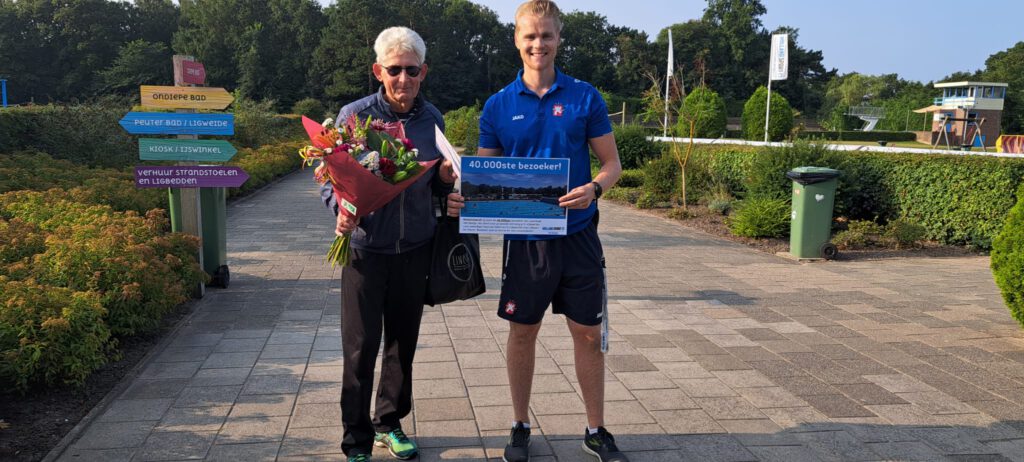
397 443
358 458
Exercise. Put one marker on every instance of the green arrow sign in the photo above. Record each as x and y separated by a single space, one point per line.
186 150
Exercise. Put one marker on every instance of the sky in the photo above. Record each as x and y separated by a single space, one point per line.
923 40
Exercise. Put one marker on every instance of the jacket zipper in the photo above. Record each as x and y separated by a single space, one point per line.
401 223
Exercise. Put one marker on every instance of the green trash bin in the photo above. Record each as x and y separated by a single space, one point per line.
215 252
814 191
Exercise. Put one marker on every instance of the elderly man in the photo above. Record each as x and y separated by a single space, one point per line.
383 287
547 114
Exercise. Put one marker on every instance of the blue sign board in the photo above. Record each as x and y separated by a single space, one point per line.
170 123
3 83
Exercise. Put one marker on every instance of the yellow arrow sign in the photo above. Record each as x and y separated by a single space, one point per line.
185 97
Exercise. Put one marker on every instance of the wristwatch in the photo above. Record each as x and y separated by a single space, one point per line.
598 190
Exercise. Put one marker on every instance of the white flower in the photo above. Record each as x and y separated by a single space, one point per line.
328 122
370 160
328 151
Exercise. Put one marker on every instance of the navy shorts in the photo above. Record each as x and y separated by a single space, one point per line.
566 273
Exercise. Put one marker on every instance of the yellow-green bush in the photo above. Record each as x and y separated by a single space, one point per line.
138 272
266 164
49 335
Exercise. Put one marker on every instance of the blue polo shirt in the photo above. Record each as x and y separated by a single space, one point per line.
557 125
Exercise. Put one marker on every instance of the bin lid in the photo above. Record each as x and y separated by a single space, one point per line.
811 175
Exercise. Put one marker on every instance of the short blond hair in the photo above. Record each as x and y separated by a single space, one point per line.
541 9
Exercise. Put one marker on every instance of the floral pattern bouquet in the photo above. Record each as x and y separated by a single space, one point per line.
367 163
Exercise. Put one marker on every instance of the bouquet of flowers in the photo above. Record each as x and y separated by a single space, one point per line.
367 163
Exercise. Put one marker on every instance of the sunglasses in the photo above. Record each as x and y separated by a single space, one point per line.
411 71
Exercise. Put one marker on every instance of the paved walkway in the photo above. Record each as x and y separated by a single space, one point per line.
718 352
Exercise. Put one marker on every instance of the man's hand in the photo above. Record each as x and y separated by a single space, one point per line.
345 223
579 198
455 204
447 171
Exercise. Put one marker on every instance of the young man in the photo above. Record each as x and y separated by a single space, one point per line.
545 113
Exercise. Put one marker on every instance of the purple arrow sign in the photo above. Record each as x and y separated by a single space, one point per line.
189 176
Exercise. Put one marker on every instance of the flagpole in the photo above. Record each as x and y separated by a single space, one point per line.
768 107
668 83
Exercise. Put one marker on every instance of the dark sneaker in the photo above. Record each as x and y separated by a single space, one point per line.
602 445
358 458
397 443
518 447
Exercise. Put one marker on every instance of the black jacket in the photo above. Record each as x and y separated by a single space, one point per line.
408 221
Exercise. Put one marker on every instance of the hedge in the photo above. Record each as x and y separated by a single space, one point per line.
1008 259
90 134
957 199
859 136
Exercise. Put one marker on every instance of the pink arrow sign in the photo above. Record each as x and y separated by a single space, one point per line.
189 176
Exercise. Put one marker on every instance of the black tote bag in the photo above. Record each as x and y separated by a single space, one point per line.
455 272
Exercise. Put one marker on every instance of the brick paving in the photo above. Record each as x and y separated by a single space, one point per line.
718 353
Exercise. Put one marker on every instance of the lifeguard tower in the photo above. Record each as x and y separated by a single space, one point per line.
967 115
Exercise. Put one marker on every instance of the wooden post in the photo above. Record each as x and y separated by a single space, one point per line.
623 124
189 211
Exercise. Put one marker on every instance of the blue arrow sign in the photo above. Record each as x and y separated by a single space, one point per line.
170 123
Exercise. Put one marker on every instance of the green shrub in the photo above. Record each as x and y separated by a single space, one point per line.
1008 259
138 272
84 134
266 164
635 150
649 200
720 200
760 217
462 128
780 123
706 109
625 194
256 124
661 179
49 335
858 234
311 108
19 241
630 178
904 233
850 135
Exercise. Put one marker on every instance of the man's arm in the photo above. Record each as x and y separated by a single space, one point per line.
608 156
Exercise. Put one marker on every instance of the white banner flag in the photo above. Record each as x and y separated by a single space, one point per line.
668 82
779 69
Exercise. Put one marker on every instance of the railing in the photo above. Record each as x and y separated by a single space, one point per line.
866 111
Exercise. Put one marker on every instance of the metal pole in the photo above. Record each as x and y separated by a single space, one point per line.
768 109
3 85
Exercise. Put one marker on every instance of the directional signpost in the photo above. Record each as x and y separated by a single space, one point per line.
190 176
186 150
172 123
185 97
196 193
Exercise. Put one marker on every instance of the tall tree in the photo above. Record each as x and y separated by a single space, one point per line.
1008 66
585 48
262 47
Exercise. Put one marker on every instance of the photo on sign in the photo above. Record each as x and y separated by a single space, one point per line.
506 195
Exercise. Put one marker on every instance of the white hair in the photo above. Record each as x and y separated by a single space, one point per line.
399 40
